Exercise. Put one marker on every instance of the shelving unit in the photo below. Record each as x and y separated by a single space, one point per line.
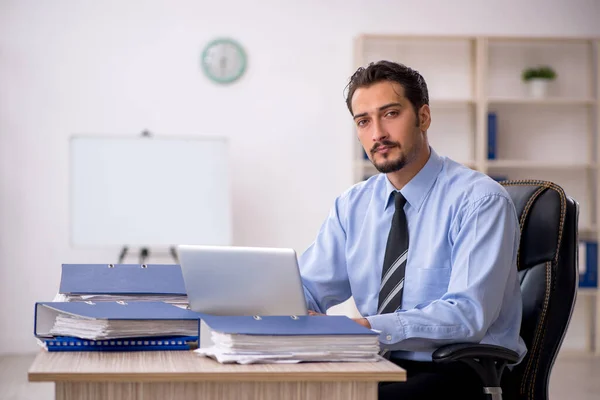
553 138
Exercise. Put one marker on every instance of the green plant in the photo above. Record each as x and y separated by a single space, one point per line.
543 72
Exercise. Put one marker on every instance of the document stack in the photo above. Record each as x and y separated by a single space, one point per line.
289 339
115 326
122 282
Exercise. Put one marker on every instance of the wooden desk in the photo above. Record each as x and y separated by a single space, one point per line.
184 375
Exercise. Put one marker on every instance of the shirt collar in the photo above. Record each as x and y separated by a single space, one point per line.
417 188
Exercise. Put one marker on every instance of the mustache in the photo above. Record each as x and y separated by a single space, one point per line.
387 143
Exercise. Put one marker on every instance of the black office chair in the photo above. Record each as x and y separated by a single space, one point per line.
548 273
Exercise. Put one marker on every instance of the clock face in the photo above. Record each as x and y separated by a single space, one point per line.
224 60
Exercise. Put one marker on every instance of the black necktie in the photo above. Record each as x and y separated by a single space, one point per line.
394 262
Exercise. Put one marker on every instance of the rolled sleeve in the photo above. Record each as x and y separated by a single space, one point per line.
389 327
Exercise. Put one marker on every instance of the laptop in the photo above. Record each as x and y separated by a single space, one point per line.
232 280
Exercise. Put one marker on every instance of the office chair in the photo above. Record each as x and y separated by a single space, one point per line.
548 274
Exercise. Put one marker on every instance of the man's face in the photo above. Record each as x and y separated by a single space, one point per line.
387 126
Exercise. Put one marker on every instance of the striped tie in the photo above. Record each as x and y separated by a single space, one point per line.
394 263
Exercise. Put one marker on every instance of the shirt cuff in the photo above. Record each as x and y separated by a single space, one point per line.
390 327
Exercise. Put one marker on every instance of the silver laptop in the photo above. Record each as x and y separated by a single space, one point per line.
231 280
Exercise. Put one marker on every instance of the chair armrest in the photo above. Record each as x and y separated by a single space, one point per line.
487 360
461 351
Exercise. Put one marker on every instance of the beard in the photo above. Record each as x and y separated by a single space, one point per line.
389 165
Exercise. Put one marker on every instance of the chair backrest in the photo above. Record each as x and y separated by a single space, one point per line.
548 273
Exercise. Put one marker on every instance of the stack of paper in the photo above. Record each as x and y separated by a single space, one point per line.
67 325
284 339
179 301
123 282
114 320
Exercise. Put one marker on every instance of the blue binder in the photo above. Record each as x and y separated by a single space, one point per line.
172 343
492 128
47 312
122 279
588 259
286 325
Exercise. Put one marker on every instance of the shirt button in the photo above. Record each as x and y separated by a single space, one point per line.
389 337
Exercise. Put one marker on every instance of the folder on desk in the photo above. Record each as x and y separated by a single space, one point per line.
261 339
160 343
114 282
304 325
114 320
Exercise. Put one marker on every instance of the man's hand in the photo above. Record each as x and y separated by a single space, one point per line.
361 321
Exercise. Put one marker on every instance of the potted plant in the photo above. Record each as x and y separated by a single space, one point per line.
538 78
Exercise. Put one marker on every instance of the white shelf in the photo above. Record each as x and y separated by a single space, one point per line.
537 164
588 230
587 291
369 169
544 101
449 102
573 62
368 166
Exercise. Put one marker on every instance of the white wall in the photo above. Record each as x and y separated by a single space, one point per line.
120 67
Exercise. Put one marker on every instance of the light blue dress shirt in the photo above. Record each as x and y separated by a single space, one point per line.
461 282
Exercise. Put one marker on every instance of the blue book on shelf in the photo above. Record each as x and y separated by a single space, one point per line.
492 127
64 344
170 320
588 264
286 325
122 279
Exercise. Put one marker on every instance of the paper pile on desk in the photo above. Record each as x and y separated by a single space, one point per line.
113 320
122 282
282 339
67 325
176 300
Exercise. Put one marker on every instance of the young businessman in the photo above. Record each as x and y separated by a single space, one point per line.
427 248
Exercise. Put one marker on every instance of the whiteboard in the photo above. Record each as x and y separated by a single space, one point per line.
149 191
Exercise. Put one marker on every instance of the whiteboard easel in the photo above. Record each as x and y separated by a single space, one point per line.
149 191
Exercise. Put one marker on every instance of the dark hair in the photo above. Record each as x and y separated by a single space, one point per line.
415 88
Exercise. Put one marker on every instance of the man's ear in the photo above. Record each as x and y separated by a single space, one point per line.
424 117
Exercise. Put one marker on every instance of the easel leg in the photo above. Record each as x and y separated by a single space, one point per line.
123 254
144 254
174 255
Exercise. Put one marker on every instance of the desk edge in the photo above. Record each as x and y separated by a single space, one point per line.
397 376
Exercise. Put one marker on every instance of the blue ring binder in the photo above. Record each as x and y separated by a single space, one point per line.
64 343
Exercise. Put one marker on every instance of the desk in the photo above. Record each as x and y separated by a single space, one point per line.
184 375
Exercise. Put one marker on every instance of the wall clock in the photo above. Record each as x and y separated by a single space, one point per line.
223 60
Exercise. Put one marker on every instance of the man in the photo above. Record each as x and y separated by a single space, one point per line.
427 248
